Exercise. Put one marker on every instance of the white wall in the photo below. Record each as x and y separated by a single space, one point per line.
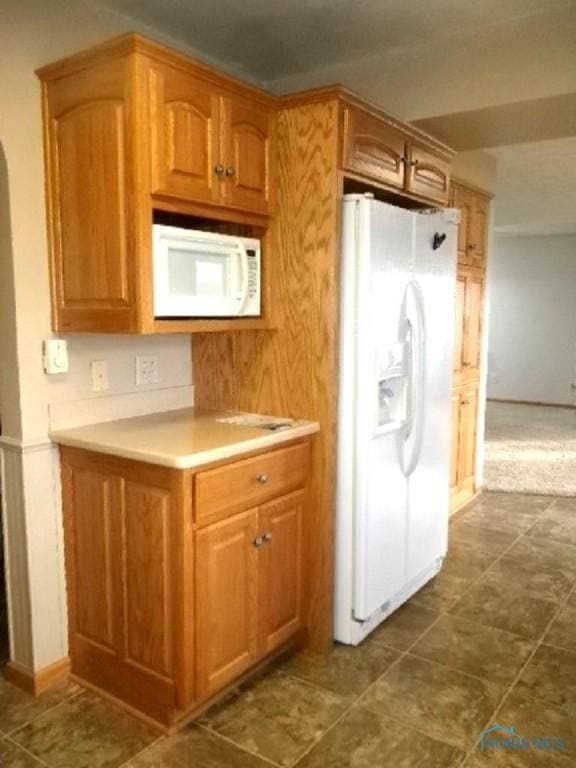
34 33
532 325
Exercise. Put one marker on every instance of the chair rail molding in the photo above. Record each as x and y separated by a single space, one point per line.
31 511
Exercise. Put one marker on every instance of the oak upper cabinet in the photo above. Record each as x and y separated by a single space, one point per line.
132 128
389 153
247 154
473 228
428 173
227 600
372 148
208 145
184 135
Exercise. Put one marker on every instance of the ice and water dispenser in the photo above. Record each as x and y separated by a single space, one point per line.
392 386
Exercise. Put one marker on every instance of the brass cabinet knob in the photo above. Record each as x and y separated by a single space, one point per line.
262 479
267 537
219 169
230 171
258 541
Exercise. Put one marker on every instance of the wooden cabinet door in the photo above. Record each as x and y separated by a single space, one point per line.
456 431
462 199
280 570
184 135
226 600
428 174
93 238
247 154
478 231
472 344
459 329
372 148
467 439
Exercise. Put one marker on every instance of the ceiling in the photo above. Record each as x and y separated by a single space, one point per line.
536 188
270 39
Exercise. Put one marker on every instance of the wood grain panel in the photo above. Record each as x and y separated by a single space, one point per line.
147 583
226 601
460 328
222 491
96 564
280 570
428 174
293 370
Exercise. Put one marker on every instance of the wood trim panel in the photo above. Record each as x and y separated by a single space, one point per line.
44 679
294 370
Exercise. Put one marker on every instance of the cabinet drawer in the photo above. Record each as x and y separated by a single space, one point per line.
225 490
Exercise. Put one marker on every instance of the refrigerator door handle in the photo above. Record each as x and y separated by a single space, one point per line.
416 341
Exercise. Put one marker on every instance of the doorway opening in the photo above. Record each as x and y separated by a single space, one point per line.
530 441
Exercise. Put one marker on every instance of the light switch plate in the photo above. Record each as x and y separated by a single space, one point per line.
99 375
55 356
146 369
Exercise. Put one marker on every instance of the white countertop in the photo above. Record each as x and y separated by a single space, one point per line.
181 439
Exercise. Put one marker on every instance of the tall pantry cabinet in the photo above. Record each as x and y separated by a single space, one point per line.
470 283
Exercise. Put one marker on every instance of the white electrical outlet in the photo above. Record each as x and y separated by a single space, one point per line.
146 369
99 375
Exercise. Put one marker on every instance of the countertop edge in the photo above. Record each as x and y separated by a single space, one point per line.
193 460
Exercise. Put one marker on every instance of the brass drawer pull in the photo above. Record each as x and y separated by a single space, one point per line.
262 479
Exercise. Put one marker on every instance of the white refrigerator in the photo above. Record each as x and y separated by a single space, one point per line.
397 346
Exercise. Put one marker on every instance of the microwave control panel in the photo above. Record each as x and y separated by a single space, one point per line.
253 273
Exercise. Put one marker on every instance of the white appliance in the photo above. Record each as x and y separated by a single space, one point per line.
397 341
204 274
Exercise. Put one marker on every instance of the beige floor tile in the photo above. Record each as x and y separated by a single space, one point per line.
443 703
562 633
12 756
347 671
18 707
507 608
481 537
550 677
475 649
441 592
550 735
404 626
276 716
558 524
195 748
532 578
365 739
85 732
536 551
507 512
466 562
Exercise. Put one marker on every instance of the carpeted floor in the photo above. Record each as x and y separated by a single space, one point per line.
530 449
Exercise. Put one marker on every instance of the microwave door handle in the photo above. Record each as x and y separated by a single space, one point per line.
242 296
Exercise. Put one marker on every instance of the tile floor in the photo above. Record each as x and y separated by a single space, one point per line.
491 641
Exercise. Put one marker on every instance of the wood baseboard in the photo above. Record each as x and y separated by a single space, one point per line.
38 682
530 402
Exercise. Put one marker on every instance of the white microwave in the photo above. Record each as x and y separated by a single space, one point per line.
204 274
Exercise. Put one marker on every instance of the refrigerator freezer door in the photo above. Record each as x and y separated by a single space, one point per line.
429 482
384 244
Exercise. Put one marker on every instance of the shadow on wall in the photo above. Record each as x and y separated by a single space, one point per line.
6 281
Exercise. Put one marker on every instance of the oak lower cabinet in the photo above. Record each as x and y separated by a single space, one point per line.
248 589
166 610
